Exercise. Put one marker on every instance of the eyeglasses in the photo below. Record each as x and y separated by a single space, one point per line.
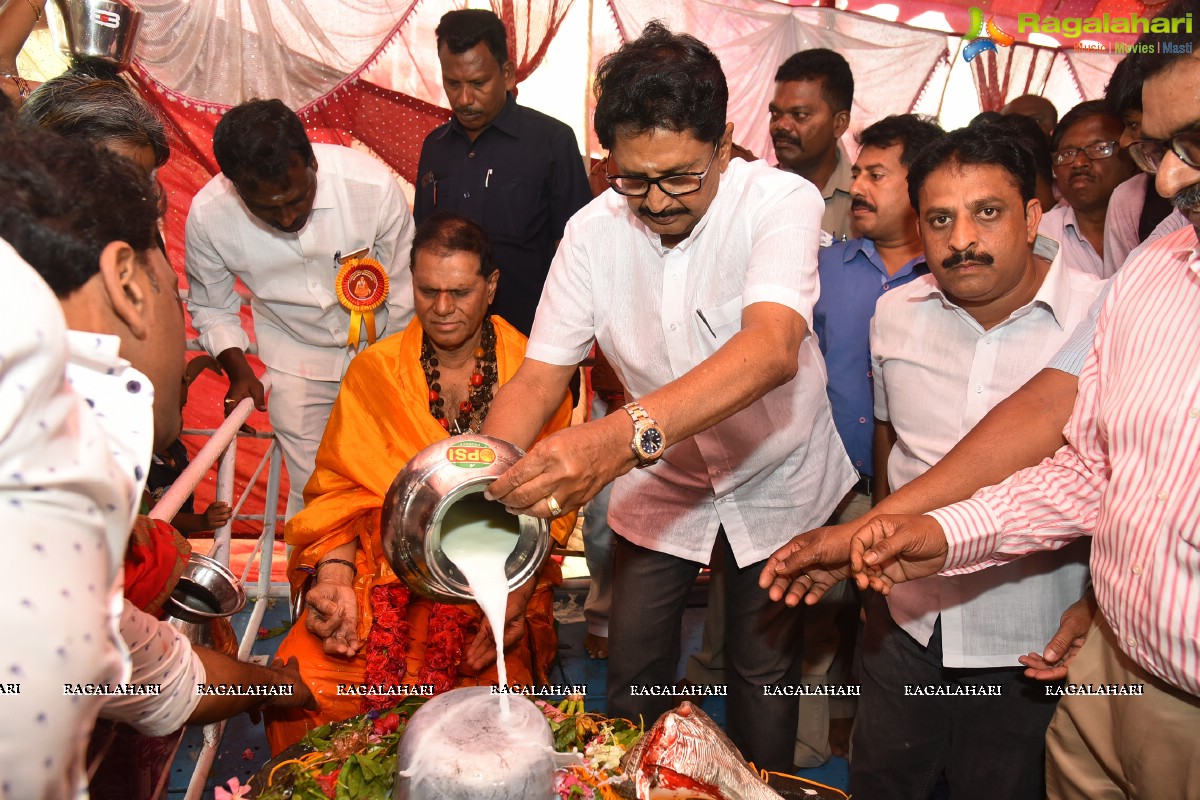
675 185
1094 152
1148 153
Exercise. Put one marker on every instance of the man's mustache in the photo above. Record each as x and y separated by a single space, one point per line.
1187 199
664 214
863 204
783 138
971 256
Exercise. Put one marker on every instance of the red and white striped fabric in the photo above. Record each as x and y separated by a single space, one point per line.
1130 475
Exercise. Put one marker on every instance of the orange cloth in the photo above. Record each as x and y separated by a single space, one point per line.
380 421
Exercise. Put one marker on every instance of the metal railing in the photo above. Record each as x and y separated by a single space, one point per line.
221 449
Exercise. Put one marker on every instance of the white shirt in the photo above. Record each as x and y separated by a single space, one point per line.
773 468
937 373
1060 224
122 401
65 513
300 326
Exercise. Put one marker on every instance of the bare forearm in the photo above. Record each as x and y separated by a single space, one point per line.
733 378
1021 431
190 523
17 21
524 404
222 671
234 362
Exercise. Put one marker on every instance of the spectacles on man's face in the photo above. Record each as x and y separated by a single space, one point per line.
1149 153
675 185
1094 152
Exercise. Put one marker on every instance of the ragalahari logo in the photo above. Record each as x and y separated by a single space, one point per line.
978 41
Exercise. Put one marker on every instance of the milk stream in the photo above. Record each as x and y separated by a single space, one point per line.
479 537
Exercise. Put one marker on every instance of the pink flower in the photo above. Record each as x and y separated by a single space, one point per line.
247 754
234 792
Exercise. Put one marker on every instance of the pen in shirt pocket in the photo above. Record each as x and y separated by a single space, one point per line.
700 314
487 179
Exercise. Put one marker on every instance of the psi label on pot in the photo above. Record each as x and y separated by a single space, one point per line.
470 455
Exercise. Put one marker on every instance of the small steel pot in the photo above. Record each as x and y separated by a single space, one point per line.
205 597
447 472
100 29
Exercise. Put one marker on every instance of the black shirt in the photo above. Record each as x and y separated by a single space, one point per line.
521 180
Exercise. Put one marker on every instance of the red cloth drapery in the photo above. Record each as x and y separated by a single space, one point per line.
530 24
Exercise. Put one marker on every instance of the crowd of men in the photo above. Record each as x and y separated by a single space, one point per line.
826 360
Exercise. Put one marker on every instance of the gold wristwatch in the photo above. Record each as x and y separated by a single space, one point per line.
649 441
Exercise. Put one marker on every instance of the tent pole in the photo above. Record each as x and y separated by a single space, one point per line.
587 89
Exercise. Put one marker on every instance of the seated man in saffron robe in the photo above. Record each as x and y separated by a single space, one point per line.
360 624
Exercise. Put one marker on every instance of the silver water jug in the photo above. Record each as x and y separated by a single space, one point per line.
207 595
95 29
453 472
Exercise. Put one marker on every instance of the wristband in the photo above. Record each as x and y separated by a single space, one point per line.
341 561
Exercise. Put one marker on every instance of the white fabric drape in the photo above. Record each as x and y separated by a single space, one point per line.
227 51
891 63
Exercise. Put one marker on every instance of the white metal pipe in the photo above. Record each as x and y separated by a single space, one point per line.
186 483
252 481
225 480
208 754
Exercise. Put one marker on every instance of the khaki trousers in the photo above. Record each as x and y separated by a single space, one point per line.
1145 747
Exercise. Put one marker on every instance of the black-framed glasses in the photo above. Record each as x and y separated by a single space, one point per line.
1149 153
1094 152
675 185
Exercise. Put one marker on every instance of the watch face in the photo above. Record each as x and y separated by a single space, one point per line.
651 441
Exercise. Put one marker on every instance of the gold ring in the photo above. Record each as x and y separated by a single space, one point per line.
552 504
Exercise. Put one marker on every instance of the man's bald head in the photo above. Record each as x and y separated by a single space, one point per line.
1037 108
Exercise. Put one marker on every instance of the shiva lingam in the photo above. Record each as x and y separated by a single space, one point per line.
456 747
441 491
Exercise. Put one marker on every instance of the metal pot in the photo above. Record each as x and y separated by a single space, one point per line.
99 29
200 606
451 471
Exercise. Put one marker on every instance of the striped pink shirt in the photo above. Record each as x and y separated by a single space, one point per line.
1130 475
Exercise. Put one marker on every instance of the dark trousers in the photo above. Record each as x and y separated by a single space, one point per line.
991 748
762 647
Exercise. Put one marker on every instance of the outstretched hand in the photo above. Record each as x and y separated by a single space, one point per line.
891 549
570 465
301 696
1051 664
481 652
809 565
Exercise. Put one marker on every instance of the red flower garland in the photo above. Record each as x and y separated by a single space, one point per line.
387 643
389 639
448 625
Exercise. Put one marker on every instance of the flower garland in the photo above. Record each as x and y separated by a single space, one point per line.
389 640
448 627
387 643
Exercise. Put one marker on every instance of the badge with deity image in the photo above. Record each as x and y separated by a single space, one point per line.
362 286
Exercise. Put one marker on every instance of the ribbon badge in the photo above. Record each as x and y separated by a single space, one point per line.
362 286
